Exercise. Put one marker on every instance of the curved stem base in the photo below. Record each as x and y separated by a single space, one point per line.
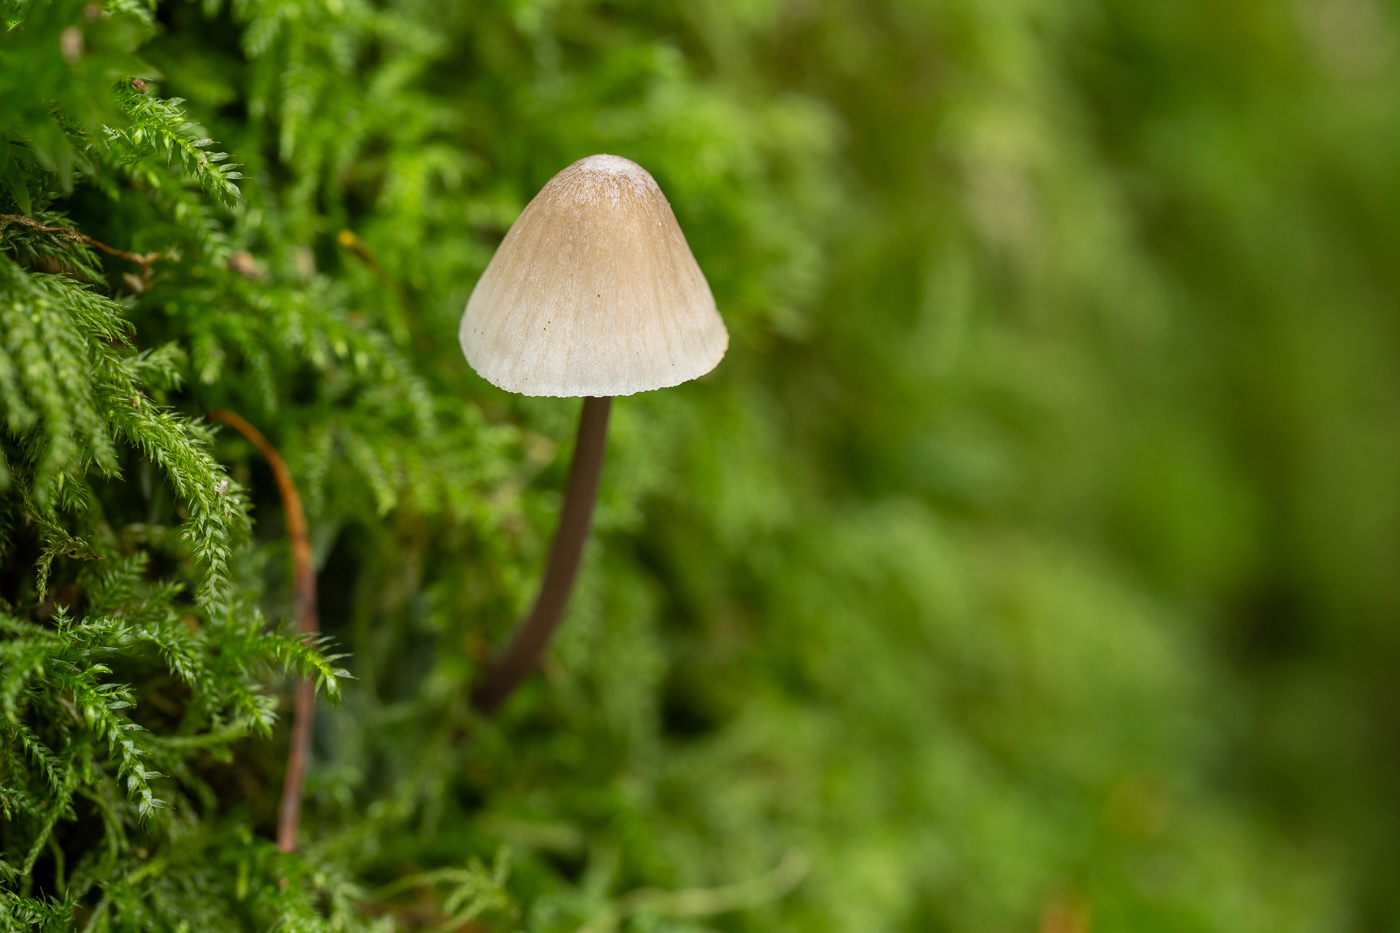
580 493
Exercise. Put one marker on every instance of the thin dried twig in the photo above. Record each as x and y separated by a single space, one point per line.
144 260
304 589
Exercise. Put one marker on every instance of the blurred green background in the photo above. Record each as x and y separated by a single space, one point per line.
1032 562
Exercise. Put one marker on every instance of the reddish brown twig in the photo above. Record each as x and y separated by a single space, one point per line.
304 589
144 260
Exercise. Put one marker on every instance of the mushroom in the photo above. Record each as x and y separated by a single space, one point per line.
593 293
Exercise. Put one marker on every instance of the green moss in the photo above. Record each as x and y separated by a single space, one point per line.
1028 562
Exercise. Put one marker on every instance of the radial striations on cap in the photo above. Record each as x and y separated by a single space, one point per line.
594 291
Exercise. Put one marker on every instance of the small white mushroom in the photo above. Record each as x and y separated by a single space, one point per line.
595 293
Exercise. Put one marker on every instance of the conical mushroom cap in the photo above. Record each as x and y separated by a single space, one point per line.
593 292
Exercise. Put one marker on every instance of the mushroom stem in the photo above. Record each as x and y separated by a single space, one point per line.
580 493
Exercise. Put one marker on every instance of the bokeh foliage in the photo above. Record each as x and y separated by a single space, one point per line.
1029 563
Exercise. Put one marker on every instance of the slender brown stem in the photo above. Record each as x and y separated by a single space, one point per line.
304 590
581 491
